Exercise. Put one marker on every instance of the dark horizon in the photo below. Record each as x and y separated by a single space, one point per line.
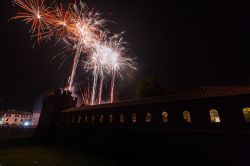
184 45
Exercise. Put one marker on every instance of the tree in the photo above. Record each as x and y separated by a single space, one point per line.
149 87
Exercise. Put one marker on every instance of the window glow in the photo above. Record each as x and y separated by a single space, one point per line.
134 117
187 116
214 116
79 119
246 113
164 117
101 119
110 118
148 118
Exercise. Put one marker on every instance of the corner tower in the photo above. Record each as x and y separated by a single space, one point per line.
53 103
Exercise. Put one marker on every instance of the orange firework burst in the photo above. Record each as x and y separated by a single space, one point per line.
36 14
62 21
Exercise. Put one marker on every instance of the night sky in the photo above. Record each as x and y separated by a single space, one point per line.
183 45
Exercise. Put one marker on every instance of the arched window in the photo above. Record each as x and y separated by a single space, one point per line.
79 119
93 119
214 116
133 117
121 118
164 117
148 117
101 119
110 118
246 113
187 116
86 119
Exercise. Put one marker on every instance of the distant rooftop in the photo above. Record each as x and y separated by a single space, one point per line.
18 112
200 93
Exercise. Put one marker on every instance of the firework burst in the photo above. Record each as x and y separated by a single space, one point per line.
85 31
36 14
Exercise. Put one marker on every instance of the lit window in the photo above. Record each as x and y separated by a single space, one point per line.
148 118
79 119
134 117
187 116
164 117
93 119
121 118
214 116
110 118
101 119
86 119
246 113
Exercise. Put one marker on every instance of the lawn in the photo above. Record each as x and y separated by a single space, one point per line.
21 152
46 155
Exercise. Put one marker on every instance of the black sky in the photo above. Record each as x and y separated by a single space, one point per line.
184 45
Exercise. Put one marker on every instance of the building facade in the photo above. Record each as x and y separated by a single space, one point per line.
215 111
217 108
17 118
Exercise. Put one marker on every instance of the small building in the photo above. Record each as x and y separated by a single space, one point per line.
16 118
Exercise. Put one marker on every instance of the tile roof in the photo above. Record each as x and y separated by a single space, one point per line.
200 93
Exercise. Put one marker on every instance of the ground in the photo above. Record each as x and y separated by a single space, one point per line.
47 155
21 151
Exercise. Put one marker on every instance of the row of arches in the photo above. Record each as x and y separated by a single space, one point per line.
214 117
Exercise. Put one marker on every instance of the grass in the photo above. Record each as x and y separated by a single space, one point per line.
8 134
47 155
20 151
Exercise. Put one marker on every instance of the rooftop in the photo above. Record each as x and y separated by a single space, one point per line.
200 93
18 112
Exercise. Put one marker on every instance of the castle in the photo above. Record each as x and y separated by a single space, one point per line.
205 115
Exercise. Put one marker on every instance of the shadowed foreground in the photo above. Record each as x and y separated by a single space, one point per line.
106 147
23 151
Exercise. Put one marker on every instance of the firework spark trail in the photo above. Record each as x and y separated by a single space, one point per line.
75 64
112 88
85 31
106 62
85 94
94 86
100 91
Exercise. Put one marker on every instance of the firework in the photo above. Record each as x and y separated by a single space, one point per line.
85 31
36 14
108 60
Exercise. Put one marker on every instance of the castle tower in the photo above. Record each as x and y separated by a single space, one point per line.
54 102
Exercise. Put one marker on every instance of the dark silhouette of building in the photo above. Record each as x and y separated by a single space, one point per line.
54 102
214 108
211 118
